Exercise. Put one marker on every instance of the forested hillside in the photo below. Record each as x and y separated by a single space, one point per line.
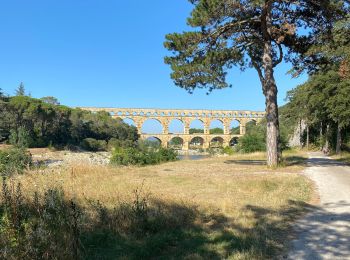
31 122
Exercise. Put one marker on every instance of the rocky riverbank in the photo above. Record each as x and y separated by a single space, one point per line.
59 158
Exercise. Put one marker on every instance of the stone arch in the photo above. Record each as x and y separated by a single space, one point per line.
176 126
197 124
233 141
176 143
153 141
251 120
216 126
235 127
129 121
250 124
216 142
152 126
196 142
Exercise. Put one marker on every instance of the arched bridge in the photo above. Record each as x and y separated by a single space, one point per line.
165 116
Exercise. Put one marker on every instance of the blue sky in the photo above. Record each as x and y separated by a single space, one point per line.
109 53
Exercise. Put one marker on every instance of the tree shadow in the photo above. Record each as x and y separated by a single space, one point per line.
323 233
184 232
324 162
344 161
294 160
246 162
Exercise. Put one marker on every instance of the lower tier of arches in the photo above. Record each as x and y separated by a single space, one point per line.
193 141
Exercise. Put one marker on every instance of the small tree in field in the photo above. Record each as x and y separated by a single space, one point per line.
247 33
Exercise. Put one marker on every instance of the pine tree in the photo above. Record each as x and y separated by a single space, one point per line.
247 33
20 91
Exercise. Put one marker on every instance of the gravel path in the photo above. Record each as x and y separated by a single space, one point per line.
324 233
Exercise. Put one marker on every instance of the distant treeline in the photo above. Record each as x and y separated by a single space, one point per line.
31 122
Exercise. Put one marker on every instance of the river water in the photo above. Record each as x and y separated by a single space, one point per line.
192 157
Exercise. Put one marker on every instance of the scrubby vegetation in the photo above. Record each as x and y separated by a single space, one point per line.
91 144
142 155
252 142
255 138
14 160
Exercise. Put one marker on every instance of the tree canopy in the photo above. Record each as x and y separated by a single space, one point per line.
323 101
249 34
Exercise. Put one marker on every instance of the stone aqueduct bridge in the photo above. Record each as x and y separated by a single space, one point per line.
165 116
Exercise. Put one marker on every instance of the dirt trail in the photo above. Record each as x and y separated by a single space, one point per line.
324 233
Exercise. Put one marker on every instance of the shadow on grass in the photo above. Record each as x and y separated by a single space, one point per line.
344 160
326 162
294 160
176 231
246 162
287 161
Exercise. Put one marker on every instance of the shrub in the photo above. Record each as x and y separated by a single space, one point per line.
228 150
115 143
14 160
45 227
142 156
93 145
252 142
21 137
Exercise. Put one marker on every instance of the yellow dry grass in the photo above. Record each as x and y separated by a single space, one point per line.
223 183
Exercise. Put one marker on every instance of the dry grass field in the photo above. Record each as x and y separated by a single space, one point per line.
232 207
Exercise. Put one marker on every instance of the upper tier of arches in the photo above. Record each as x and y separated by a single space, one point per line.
178 113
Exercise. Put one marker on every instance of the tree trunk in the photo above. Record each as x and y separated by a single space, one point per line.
270 92
300 134
307 136
272 133
327 141
338 146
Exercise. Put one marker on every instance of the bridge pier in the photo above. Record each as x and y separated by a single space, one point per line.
206 144
186 145
242 129
226 143
164 144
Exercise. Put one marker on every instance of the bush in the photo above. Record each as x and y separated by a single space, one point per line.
250 143
142 156
46 227
228 150
93 145
115 143
21 137
14 160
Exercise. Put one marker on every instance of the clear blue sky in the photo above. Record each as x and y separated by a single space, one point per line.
109 53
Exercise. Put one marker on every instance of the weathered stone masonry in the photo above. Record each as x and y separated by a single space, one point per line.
186 116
